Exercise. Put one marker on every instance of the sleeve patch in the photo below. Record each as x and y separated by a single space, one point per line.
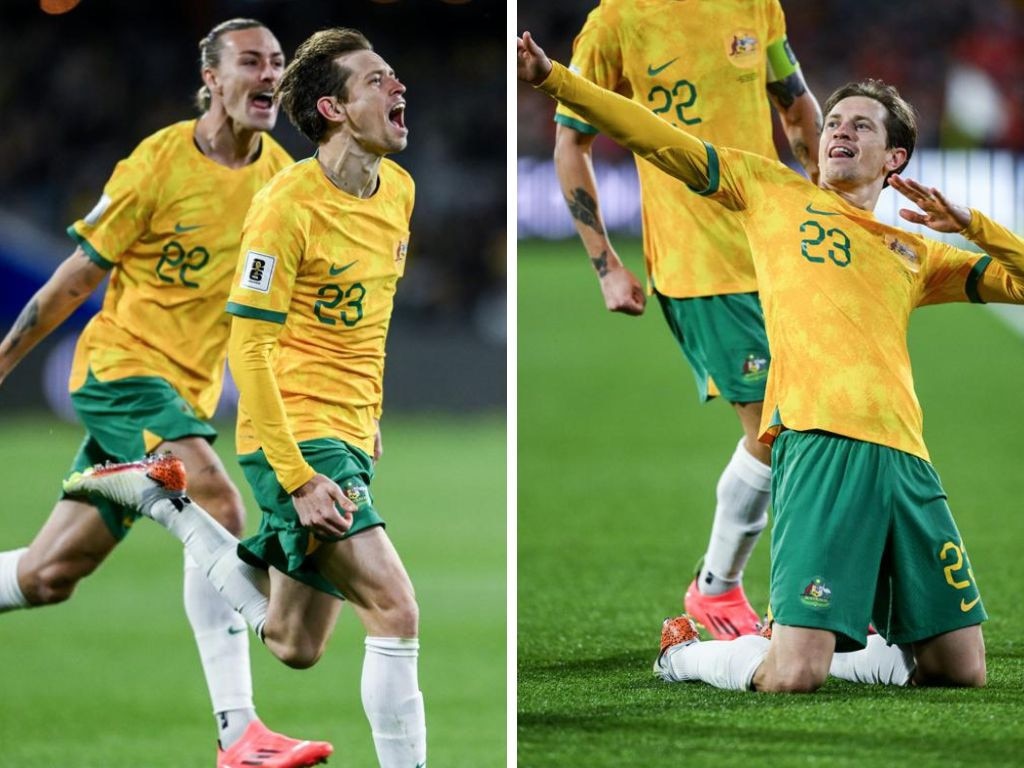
258 271
98 210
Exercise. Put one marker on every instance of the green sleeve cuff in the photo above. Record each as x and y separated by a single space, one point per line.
971 288
91 252
713 172
576 125
241 310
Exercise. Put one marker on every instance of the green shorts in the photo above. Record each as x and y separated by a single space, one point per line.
282 541
124 419
723 339
863 533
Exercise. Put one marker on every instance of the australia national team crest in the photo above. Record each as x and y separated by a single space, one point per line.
904 251
357 493
755 367
817 594
743 48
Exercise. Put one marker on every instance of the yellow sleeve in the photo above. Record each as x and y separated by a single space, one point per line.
249 349
1002 281
628 123
596 55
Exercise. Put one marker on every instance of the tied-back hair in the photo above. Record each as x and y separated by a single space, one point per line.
900 119
313 74
210 49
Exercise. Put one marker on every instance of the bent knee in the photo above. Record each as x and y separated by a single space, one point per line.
297 653
797 679
967 676
55 583
222 501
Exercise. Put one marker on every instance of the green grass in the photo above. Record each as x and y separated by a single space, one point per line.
111 679
617 466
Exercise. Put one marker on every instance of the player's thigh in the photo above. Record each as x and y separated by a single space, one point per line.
828 534
300 619
749 415
367 569
72 543
208 481
952 658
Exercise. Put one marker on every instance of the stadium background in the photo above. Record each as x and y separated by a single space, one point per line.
617 462
111 678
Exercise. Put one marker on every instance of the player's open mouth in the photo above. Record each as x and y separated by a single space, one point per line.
263 100
840 151
397 116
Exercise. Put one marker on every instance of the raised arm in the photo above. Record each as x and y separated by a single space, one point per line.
70 285
796 106
622 291
627 123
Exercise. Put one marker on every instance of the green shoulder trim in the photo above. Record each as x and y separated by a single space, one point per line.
91 252
576 125
256 314
713 172
971 288
781 61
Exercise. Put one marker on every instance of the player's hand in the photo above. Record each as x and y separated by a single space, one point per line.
939 214
623 292
532 64
378 443
318 502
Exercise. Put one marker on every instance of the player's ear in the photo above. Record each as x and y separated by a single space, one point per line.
210 79
330 109
895 158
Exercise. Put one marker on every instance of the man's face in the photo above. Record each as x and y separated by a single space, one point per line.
375 110
251 63
852 151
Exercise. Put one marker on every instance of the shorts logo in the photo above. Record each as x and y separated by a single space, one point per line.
358 493
258 271
98 210
816 594
755 368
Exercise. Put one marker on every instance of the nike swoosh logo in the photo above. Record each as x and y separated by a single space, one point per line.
965 607
179 228
338 270
236 630
809 209
652 71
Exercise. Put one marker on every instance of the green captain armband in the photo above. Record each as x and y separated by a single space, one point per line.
781 61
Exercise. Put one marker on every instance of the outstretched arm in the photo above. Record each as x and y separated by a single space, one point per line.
1003 284
627 123
801 119
70 285
622 291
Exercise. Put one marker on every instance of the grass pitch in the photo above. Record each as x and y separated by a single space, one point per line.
112 678
617 466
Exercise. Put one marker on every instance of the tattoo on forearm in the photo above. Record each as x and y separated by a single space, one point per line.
600 263
800 152
786 91
27 320
583 208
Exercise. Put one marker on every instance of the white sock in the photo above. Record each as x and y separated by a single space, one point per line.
393 702
214 549
877 663
11 597
729 664
740 515
223 642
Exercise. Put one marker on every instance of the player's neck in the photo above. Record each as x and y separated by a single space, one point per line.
224 141
863 196
349 166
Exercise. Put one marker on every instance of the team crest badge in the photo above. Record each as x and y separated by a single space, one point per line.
400 252
904 251
357 493
755 367
816 594
743 48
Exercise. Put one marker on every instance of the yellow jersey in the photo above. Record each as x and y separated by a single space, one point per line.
323 266
837 285
168 226
703 67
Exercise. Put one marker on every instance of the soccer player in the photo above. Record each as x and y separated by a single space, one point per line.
703 67
862 529
323 247
148 368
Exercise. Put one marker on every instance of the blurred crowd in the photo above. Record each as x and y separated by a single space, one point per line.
80 90
959 62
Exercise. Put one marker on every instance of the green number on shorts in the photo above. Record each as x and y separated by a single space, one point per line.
839 245
175 258
351 312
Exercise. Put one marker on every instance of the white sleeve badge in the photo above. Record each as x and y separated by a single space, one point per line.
259 269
